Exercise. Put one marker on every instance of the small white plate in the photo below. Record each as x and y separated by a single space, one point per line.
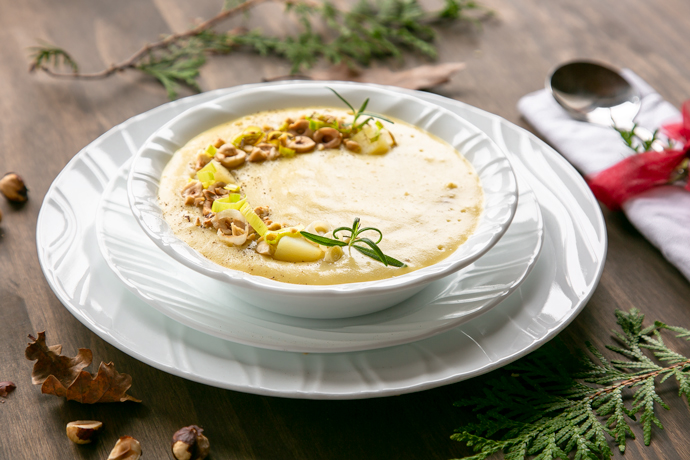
209 305
562 281
337 300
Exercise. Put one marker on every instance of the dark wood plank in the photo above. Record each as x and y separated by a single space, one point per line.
44 122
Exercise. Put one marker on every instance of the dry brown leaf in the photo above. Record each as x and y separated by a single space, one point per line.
5 389
64 376
422 77
50 362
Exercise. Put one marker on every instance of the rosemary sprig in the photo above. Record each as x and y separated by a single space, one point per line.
369 30
358 113
556 404
372 251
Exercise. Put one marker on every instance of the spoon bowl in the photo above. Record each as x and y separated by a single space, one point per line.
595 93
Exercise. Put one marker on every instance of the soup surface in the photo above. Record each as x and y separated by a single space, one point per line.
422 194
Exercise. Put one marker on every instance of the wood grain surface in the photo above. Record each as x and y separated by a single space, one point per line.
44 122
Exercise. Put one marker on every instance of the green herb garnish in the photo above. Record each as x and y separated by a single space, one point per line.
360 112
354 238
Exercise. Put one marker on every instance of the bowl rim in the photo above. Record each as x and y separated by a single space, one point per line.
167 241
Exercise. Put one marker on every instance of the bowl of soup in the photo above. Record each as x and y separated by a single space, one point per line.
322 200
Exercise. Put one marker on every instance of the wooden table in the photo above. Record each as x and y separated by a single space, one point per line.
44 122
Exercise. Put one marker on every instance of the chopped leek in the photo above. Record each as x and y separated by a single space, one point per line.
284 126
286 152
315 125
254 220
211 151
232 187
273 237
230 198
222 173
250 136
274 137
206 175
219 205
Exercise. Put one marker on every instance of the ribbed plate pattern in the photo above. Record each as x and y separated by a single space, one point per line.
563 279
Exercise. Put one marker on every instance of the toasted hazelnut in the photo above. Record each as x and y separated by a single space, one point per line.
190 444
126 448
12 186
354 146
83 431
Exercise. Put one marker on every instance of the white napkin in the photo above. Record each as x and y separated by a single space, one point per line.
662 214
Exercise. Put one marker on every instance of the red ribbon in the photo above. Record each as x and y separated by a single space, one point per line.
638 173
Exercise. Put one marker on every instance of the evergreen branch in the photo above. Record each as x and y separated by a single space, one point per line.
557 404
51 55
370 30
145 51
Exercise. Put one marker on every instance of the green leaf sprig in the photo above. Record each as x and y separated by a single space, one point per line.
636 143
358 113
372 251
556 404
366 31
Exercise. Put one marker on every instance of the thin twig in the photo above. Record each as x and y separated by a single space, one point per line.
636 379
131 62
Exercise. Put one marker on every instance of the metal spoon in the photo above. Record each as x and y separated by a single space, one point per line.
599 94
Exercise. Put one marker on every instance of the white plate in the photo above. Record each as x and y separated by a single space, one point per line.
334 300
209 305
560 284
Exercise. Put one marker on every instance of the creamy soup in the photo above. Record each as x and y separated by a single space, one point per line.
422 194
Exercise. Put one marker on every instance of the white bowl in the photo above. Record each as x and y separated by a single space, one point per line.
330 301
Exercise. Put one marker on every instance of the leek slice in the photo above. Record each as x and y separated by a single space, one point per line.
274 237
206 175
274 137
285 152
211 151
219 205
250 136
230 198
232 187
254 220
315 125
222 173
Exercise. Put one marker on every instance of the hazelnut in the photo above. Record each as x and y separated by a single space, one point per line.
83 431
190 444
12 186
126 448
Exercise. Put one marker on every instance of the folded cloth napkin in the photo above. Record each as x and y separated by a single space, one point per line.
661 214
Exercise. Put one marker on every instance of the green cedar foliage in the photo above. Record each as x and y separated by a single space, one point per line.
555 404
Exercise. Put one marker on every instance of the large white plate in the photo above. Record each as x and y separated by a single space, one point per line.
209 305
560 284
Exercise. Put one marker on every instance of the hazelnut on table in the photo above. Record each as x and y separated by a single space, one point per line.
190 444
13 187
126 448
83 431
